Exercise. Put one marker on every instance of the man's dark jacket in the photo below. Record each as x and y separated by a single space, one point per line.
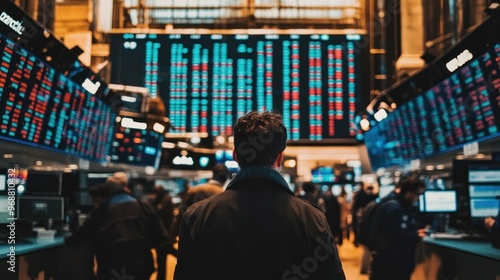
256 229
123 230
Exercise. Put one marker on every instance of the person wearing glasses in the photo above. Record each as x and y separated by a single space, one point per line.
398 234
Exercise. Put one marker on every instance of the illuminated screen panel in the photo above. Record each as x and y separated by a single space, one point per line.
43 108
460 109
438 201
323 174
208 81
136 147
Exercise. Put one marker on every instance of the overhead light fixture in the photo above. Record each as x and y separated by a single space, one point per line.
380 115
168 145
73 166
429 167
440 166
8 155
183 145
130 123
195 140
460 157
158 127
365 124
38 162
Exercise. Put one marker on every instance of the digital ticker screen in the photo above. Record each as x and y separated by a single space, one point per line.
462 108
208 81
137 147
44 108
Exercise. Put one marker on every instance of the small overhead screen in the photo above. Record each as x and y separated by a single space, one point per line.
36 208
43 183
484 173
438 201
323 174
484 189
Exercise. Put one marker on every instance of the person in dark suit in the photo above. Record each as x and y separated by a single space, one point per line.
122 231
257 228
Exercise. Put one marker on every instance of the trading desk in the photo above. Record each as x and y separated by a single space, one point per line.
456 259
50 258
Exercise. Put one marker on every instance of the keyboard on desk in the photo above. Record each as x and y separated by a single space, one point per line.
447 235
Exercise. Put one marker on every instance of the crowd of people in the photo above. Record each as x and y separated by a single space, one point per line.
256 227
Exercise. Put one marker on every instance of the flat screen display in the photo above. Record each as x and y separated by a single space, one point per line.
137 147
383 191
4 210
208 81
43 183
40 208
323 174
438 201
484 200
484 173
42 107
462 108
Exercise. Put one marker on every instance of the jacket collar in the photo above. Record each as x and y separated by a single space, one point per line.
253 172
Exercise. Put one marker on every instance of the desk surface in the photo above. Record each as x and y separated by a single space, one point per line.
35 246
480 248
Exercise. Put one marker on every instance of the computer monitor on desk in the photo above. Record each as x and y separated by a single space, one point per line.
438 201
37 208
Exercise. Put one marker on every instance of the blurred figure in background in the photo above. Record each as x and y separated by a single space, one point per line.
345 209
493 225
162 201
311 194
332 213
122 231
364 196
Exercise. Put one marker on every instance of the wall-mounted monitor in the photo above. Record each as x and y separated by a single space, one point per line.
43 183
323 174
136 147
317 81
438 201
46 109
484 200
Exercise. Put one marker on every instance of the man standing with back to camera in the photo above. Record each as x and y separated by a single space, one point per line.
257 228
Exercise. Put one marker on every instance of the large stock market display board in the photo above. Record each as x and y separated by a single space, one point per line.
207 81
462 108
39 106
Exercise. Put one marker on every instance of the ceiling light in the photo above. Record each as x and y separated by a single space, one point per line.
380 115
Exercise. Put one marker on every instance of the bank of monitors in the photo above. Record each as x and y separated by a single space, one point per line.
484 190
41 107
461 108
438 201
35 208
315 80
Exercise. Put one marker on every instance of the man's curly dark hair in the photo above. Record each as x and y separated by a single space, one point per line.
259 138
